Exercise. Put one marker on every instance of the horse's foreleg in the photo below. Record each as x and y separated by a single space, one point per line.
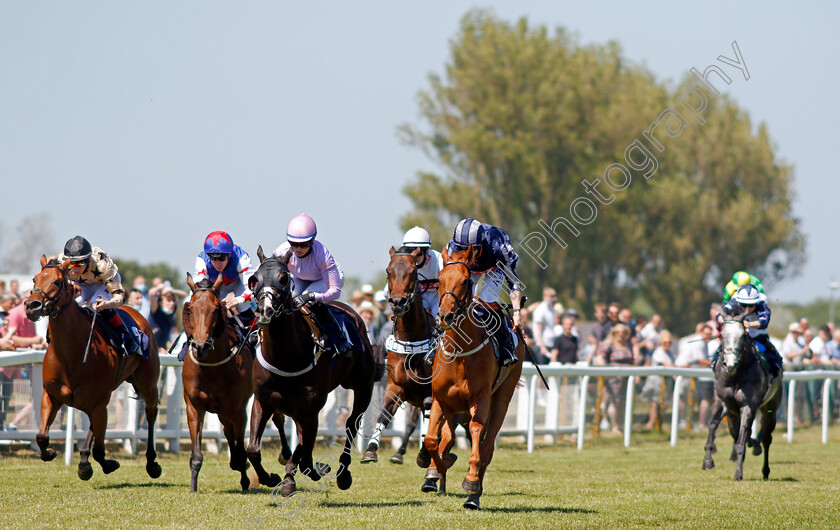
85 469
259 419
714 423
431 442
478 418
747 415
99 422
151 406
195 421
279 421
392 401
361 399
234 430
768 424
49 409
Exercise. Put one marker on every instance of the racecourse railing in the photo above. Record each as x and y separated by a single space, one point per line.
563 406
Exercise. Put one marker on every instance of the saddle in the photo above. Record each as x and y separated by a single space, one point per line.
114 337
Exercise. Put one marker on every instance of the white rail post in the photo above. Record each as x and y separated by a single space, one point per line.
791 408
174 402
584 385
68 437
675 410
826 409
628 409
532 402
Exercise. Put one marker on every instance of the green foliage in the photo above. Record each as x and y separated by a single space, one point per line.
519 120
130 269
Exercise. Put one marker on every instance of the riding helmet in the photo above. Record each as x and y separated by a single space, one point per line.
218 242
77 249
301 229
417 237
468 232
747 295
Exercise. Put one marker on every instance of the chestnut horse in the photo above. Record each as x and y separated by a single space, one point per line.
87 385
217 378
292 378
470 378
409 377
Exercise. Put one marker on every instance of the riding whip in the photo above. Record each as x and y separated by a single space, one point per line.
90 336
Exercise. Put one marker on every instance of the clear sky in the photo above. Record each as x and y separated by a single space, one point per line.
146 125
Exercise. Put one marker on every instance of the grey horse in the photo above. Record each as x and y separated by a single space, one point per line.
743 385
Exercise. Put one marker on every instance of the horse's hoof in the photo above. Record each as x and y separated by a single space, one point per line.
109 466
432 473
424 459
244 482
289 486
454 458
472 487
153 469
285 455
282 459
85 471
472 503
430 486
369 456
344 480
738 476
272 481
322 470
396 459
757 449
708 464
48 455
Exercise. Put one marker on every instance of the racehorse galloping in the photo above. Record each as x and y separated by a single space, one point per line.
409 378
86 385
470 378
217 378
292 379
743 385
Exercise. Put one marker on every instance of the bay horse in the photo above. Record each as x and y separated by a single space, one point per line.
470 378
743 386
409 377
87 385
292 378
217 378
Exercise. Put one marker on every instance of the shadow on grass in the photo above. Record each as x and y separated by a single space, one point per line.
503 471
783 479
539 509
142 485
351 504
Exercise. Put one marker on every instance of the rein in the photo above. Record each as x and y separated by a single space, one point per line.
52 300
415 288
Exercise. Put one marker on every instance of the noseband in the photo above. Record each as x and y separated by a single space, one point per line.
212 340
461 305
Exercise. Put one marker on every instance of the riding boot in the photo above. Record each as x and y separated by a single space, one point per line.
772 356
503 336
129 341
332 338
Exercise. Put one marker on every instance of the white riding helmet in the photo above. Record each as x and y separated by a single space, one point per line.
747 295
417 237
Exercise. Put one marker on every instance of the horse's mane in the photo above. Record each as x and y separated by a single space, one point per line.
53 262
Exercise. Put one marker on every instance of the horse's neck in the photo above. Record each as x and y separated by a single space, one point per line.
289 333
464 336
414 324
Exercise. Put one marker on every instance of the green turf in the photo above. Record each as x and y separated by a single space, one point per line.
604 486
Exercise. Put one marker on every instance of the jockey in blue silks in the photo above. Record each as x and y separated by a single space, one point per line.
752 304
496 263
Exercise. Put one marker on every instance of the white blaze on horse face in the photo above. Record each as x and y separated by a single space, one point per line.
266 306
731 339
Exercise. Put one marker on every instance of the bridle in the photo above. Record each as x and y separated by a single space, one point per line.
747 345
415 282
274 291
461 304
212 340
50 302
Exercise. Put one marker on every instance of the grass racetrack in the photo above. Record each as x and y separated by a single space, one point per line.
604 486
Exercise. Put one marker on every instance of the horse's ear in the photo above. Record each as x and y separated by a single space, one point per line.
473 252
190 282
286 257
445 255
218 282
43 260
392 252
260 253
416 253
66 265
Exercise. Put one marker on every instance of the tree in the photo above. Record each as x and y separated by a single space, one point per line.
524 125
34 239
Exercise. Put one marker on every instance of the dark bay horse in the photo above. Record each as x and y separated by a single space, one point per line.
469 380
87 385
292 378
217 378
409 378
743 386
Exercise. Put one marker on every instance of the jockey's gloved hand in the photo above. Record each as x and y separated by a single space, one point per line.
303 299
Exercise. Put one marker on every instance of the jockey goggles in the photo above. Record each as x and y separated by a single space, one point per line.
305 244
78 263
218 257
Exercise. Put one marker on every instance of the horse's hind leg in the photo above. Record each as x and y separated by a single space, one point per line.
768 424
49 409
259 419
714 423
279 421
411 424
145 380
362 392
98 423
235 433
